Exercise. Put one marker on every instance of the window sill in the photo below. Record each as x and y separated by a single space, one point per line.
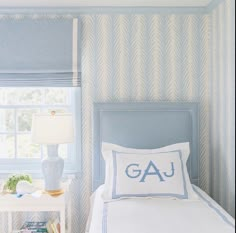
37 174
34 168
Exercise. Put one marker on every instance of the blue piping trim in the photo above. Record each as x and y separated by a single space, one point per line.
105 211
184 178
114 195
104 219
213 207
180 196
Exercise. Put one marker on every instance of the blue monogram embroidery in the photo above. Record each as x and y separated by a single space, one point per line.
134 176
137 172
148 173
172 170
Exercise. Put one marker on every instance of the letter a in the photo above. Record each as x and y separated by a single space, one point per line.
147 173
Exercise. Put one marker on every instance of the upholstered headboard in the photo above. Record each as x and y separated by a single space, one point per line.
145 126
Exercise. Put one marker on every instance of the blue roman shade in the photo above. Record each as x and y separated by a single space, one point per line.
39 52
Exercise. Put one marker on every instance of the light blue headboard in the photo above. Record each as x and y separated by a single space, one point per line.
145 126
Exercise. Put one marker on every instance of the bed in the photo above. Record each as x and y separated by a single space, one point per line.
147 127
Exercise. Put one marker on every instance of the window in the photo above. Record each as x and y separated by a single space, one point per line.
17 106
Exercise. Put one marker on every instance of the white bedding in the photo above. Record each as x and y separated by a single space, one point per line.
157 215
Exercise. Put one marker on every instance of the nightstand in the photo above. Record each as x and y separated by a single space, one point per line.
45 203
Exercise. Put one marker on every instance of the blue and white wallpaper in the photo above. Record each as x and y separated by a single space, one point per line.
144 58
159 57
222 100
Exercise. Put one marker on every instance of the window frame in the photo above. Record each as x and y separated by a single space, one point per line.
33 166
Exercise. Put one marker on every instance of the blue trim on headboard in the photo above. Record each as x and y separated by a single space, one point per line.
145 126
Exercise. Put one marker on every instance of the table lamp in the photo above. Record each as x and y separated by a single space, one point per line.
52 129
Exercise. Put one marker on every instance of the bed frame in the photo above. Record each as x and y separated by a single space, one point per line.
145 126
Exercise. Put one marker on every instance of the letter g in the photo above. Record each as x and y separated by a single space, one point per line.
138 172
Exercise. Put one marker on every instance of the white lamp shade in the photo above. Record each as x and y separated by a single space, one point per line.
52 129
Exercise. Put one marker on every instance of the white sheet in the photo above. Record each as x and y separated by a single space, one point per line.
159 216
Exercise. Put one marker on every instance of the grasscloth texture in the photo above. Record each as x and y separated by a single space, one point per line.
161 58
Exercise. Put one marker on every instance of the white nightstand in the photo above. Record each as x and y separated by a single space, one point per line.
45 203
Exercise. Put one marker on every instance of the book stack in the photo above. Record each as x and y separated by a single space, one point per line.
34 227
53 226
40 227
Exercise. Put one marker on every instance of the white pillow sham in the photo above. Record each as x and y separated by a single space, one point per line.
121 160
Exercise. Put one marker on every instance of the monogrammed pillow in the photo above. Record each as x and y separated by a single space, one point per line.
147 173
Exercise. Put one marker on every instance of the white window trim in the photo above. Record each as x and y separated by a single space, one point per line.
33 166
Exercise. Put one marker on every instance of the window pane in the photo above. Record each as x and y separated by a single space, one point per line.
17 106
7 146
21 96
29 96
11 96
25 147
24 118
56 96
7 120
62 151
2 96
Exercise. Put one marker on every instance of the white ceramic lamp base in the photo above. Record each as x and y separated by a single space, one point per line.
52 168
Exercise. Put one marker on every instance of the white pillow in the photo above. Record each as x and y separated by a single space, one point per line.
119 185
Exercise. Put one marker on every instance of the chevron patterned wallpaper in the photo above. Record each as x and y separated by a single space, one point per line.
223 105
158 58
144 58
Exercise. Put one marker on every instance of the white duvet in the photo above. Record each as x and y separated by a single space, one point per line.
158 215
